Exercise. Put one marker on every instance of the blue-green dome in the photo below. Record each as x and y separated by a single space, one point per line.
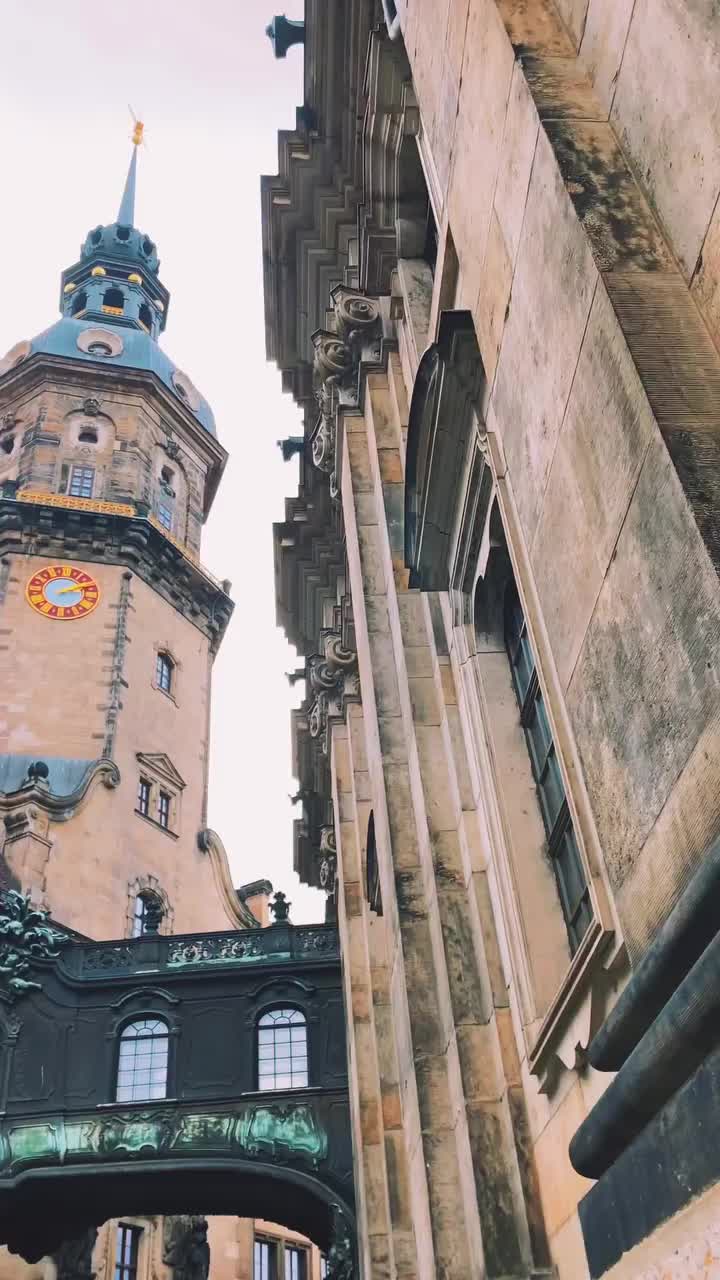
113 306
95 340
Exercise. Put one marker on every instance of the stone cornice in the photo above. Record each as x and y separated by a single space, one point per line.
37 528
309 209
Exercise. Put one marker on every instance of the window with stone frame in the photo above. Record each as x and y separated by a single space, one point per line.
159 792
147 914
127 1247
165 516
143 797
562 843
82 481
164 671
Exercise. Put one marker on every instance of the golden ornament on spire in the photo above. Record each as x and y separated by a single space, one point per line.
137 134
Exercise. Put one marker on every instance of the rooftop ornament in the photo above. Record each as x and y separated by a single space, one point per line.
280 908
285 32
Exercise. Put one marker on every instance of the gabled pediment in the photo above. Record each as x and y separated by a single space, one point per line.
162 766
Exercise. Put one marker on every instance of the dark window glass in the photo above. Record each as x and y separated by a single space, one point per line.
164 809
143 797
143 901
295 1263
374 895
142 1061
264 1261
562 843
164 515
164 672
81 482
282 1050
126 1251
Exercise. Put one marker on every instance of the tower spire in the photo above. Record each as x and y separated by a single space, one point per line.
126 213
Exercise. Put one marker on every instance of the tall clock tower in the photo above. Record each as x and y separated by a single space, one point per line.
109 623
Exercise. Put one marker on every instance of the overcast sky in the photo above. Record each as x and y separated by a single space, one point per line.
204 80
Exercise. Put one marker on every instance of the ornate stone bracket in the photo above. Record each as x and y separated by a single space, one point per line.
25 938
338 353
334 680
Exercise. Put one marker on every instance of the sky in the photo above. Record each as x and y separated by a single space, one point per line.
204 79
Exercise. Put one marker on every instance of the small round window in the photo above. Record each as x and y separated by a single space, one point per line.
100 342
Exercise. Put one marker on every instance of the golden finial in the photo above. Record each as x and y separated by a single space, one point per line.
138 129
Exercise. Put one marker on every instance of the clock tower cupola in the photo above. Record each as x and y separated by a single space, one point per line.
109 463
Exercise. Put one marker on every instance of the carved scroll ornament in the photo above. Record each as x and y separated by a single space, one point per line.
25 937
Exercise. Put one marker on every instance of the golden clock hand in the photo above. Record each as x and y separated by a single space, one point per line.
62 591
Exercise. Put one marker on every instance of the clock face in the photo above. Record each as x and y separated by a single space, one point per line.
63 592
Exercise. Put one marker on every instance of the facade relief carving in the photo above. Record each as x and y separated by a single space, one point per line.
338 353
25 938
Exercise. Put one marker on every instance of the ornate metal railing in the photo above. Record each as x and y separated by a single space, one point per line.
278 944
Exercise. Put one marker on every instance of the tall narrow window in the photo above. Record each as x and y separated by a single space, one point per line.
282 1050
164 672
562 842
126 1251
374 895
264 1261
295 1263
164 515
164 809
82 480
142 1061
143 797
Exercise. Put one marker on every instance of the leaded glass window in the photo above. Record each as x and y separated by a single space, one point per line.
164 809
164 515
143 1061
143 797
282 1050
82 480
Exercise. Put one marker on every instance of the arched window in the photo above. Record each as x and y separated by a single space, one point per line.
147 914
143 1061
78 303
562 843
113 301
164 670
145 316
282 1050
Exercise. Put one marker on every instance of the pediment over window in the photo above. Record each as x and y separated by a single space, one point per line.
444 418
162 767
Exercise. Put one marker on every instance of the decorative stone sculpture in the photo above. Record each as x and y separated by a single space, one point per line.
185 1247
341 1255
73 1259
280 908
284 33
25 937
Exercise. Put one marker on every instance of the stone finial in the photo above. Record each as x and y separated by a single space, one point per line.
280 908
153 916
283 33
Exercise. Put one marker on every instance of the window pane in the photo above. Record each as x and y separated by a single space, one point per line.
552 791
81 482
282 1061
142 1061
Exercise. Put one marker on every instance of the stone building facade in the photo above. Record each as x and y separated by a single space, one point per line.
492 286
109 625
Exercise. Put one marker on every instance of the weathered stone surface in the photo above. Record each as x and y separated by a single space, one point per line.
516 158
667 114
622 231
605 435
643 687
603 44
706 281
541 342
